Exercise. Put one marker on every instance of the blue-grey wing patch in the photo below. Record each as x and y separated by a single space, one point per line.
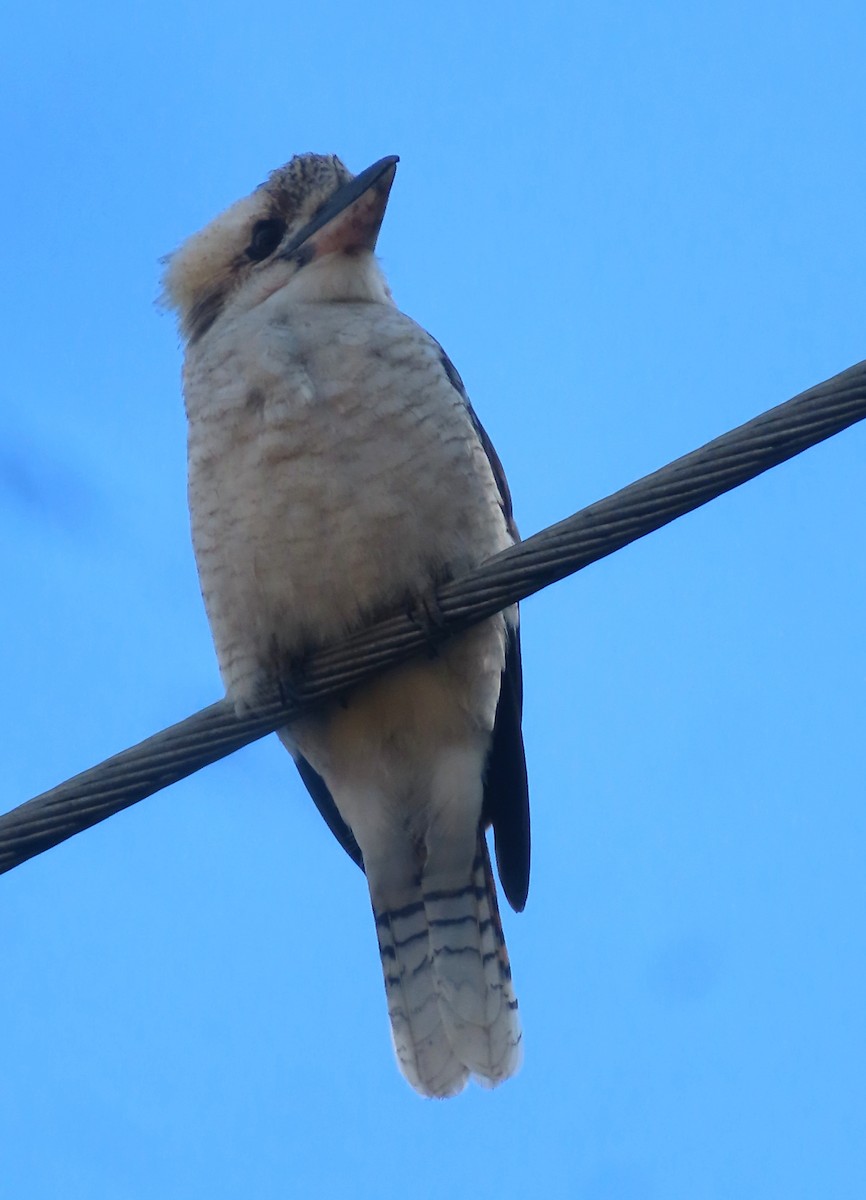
506 789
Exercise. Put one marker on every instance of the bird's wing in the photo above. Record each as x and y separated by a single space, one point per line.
324 802
506 790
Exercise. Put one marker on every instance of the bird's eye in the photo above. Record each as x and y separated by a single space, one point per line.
266 236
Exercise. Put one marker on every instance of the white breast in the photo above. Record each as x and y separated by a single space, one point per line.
334 472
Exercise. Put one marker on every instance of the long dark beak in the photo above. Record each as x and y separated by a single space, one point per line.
351 219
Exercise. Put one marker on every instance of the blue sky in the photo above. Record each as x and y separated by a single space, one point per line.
632 226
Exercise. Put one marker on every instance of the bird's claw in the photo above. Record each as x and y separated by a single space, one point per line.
424 612
291 678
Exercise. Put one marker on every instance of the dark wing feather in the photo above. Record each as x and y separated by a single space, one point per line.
506 790
324 802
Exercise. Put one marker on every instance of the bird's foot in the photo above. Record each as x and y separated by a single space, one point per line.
291 680
285 679
424 612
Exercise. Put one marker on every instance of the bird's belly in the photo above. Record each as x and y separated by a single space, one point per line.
311 518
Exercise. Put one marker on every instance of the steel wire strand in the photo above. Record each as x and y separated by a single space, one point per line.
516 573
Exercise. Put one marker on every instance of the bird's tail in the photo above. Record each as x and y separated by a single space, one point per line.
448 982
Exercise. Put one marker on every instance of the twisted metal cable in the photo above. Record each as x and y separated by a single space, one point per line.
516 573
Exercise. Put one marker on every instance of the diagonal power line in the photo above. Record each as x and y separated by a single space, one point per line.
516 573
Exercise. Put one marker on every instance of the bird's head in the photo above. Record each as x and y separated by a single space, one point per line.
312 227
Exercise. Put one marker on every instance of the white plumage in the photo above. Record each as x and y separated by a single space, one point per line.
336 472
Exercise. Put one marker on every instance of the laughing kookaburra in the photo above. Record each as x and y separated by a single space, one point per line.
337 472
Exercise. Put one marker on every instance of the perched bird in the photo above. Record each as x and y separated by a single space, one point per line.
337 472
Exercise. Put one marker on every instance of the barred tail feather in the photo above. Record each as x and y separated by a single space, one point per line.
420 1042
473 975
448 983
